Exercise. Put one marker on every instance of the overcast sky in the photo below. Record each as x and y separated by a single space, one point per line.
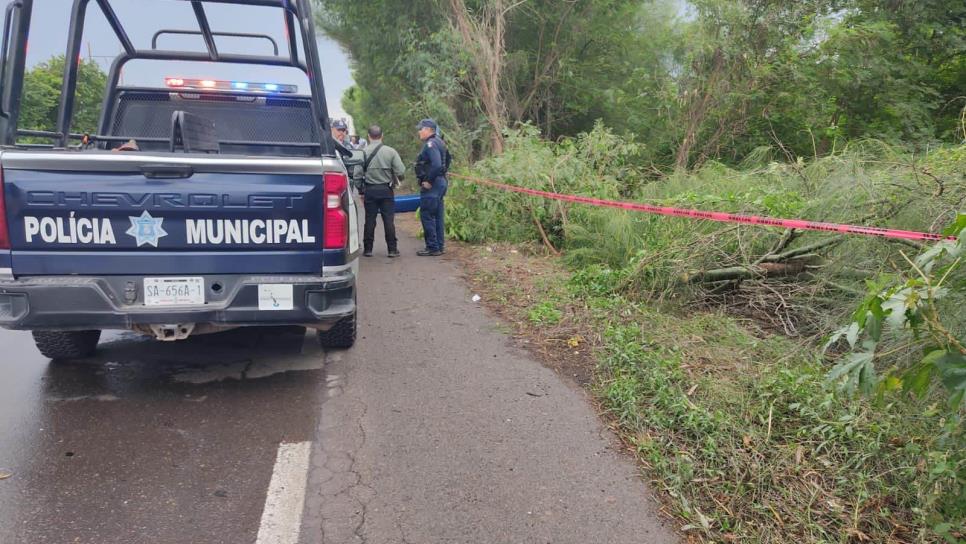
141 18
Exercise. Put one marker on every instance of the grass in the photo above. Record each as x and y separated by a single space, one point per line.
734 424
718 388
869 183
747 438
737 428
545 313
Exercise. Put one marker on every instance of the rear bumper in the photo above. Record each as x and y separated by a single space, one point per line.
114 302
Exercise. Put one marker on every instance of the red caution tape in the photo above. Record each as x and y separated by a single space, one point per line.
721 217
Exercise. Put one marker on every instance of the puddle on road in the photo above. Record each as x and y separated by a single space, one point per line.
127 363
310 357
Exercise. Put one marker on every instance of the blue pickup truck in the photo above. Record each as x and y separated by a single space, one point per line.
199 205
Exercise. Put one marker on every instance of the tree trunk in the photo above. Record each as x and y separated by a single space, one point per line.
484 36
701 99
763 270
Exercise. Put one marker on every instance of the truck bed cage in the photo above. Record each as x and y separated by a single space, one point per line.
297 18
154 39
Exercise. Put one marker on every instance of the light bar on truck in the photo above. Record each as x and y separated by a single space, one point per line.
218 85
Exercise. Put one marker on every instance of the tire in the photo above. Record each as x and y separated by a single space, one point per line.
66 344
341 336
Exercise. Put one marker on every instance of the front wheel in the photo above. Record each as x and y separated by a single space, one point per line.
342 335
66 344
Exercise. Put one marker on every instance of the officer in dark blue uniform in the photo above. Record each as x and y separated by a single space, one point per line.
431 167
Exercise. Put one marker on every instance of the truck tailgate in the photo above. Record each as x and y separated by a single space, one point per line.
101 213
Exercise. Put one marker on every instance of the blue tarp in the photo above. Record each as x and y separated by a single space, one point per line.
407 203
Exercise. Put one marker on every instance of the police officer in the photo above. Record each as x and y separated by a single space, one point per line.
382 170
340 132
431 167
339 129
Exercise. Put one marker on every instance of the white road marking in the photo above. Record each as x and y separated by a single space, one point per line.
282 516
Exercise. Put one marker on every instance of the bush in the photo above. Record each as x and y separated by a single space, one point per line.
763 273
740 425
751 444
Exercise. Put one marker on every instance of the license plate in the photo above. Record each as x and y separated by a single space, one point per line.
174 291
276 297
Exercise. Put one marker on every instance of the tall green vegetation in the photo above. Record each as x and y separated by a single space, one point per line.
710 335
41 96
395 48
480 69
693 81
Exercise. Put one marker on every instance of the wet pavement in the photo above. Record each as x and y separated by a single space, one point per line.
434 428
150 442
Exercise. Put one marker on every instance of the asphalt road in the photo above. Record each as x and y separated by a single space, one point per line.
433 429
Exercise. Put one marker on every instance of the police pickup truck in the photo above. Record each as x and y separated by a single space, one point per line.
199 204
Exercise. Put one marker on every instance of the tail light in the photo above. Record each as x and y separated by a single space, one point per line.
335 220
4 233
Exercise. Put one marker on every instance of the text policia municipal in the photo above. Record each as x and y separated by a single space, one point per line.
148 230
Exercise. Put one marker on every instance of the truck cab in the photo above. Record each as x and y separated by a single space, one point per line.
197 206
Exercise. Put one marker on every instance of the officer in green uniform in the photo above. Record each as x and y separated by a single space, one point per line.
382 170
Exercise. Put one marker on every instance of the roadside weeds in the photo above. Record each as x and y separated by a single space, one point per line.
735 428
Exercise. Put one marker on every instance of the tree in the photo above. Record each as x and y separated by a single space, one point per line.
743 54
720 80
485 64
41 96
406 66
483 31
801 75
907 89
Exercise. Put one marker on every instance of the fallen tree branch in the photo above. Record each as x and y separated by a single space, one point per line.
787 237
543 233
804 250
836 285
764 270
915 245
789 263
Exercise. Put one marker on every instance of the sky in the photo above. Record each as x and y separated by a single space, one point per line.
141 18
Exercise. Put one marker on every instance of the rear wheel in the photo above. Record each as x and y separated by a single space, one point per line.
341 336
66 344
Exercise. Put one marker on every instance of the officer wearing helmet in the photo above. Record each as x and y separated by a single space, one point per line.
431 168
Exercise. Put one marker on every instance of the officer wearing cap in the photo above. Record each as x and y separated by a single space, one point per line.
340 130
431 167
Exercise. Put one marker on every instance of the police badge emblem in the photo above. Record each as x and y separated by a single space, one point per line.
146 229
